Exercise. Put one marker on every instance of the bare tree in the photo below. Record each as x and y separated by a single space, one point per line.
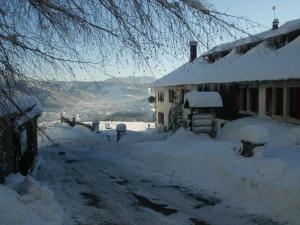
42 39
46 39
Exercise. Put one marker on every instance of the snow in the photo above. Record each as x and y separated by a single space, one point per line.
259 64
199 162
209 99
36 111
23 102
214 165
273 133
25 202
254 133
283 29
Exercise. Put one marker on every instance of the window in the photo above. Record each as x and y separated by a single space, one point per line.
279 101
160 118
247 47
206 88
171 95
269 107
199 87
253 99
244 99
294 102
183 92
160 96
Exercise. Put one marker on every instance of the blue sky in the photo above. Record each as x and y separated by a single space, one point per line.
259 11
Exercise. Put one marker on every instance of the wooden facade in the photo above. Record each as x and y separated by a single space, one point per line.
18 142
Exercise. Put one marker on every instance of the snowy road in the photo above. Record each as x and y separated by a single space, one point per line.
95 186
94 191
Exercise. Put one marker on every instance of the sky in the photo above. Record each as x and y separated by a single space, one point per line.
259 11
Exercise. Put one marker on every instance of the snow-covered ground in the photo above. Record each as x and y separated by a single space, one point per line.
268 183
194 178
25 202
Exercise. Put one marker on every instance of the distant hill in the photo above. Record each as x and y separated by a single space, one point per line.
133 80
116 99
113 99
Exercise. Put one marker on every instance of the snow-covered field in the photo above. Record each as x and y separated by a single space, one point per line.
264 189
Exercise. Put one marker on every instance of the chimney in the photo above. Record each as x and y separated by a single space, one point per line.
193 50
275 24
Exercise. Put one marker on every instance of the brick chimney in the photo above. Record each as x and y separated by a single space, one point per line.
193 50
275 24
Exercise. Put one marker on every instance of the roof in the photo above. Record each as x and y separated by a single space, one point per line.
207 99
261 63
284 29
29 105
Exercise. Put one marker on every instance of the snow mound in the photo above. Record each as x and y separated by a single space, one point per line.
273 133
272 175
25 202
254 133
182 134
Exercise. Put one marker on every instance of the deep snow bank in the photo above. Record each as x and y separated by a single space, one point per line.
267 183
273 133
25 202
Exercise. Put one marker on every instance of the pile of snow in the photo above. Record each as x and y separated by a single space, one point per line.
25 202
273 133
214 165
254 133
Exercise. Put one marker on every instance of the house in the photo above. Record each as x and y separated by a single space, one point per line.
18 134
256 75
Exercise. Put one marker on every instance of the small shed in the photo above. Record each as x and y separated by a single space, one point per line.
18 134
202 105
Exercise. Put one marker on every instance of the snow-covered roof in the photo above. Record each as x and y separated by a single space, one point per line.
284 29
207 99
28 104
261 63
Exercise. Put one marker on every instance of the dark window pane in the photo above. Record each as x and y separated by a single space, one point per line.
294 103
269 101
160 116
244 93
279 101
171 96
253 99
